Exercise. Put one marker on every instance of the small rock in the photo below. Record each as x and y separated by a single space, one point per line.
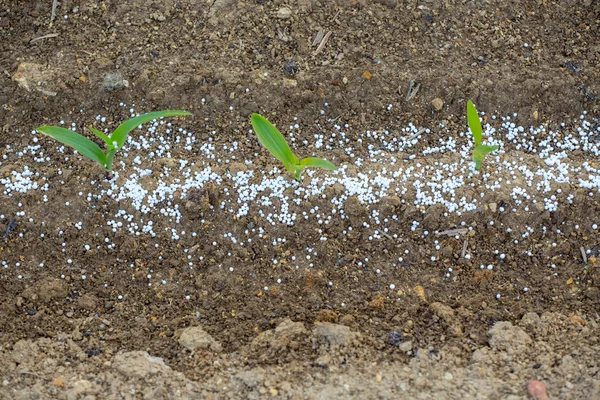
168 162
88 301
447 314
158 16
536 390
506 337
235 168
80 388
576 319
406 346
285 334
25 352
194 338
27 394
448 376
114 81
395 338
389 3
32 76
46 290
139 364
284 13
327 316
493 207
438 104
569 385
348 320
252 379
290 67
334 334
289 83
420 291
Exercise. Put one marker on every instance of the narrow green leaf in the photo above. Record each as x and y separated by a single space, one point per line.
480 152
274 141
120 134
478 164
318 163
474 123
80 143
298 172
101 135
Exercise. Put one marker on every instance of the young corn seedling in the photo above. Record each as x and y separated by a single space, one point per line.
480 150
113 142
274 141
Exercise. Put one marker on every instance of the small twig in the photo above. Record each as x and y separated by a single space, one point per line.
322 44
453 232
336 15
386 235
417 134
48 36
412 92
318 38
464 249
583 254
54 5
34 374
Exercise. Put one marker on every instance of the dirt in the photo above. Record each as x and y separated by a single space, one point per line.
334 328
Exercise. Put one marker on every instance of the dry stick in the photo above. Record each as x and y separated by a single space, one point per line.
452 232
50 35
54 4
583 254
416 135
336 15
412 92
325 39
464 249
318 38
386 235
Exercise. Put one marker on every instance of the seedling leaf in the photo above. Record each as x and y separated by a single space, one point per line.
318 163
120 134
101 135
114 142
474 123
80 143
274 141
480 152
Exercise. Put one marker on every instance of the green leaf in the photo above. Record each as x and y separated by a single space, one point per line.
101 135
480 152
274 141
318 163
312 162
474 123
80 143
120 134
298 172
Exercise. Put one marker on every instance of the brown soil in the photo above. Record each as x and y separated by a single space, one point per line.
431 336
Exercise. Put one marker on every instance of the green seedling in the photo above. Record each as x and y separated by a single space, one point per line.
480 150
274 141
114 142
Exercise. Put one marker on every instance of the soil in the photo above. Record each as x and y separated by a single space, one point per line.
298 311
